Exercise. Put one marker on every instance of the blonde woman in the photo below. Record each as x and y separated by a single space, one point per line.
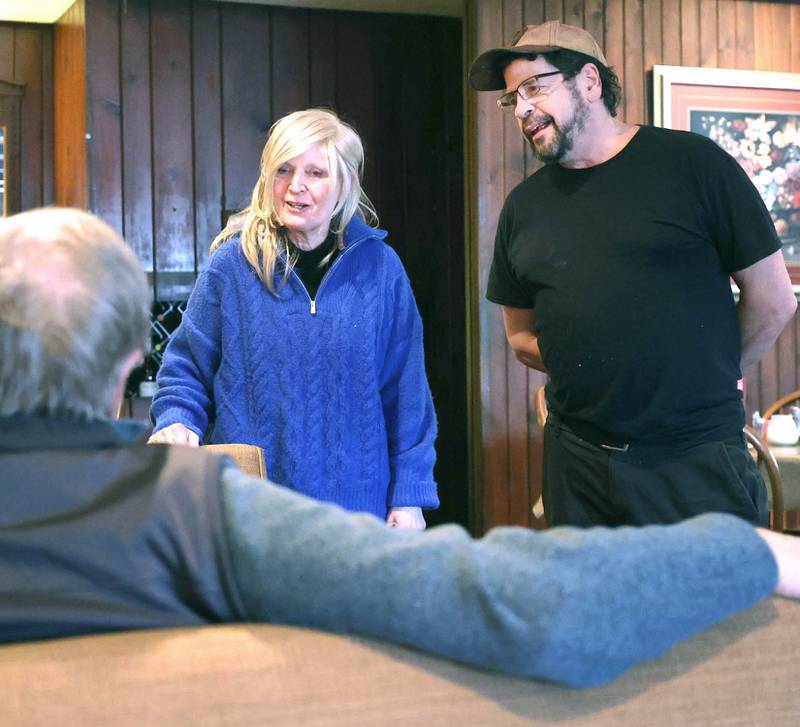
302 336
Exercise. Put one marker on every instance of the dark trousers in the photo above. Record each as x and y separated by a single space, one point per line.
584 484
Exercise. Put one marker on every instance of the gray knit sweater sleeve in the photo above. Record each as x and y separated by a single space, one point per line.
567 605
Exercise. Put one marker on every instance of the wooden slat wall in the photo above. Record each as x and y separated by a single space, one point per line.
635 34
69 90
181 95
26 57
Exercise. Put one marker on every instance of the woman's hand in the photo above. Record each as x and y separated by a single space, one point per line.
406 517
175 434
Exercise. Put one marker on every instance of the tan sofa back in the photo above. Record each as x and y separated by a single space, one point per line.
743 672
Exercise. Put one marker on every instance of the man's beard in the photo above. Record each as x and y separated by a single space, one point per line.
563 136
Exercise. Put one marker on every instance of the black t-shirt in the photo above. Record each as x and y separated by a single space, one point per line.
308 266
626 266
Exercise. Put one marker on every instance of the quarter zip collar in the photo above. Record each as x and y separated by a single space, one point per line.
357 231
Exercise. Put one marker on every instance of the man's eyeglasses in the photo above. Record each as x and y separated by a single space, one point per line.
528 90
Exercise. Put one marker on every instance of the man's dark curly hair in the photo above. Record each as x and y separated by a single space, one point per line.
570 62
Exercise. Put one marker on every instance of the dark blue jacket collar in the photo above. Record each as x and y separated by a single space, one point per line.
20 433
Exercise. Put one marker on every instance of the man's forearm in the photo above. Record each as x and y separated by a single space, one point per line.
525 346
519 325
766 304
528 353
759 329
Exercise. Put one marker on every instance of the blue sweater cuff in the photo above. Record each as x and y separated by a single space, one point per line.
176 415
417 493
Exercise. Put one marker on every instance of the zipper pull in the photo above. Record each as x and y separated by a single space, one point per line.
313 307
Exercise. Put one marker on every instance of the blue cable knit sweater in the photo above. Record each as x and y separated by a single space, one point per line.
334 390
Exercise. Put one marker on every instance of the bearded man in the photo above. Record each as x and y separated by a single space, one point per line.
613 265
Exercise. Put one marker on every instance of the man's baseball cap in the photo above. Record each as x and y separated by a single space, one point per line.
486 72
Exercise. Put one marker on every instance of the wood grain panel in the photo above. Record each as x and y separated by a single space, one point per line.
137 137
593 17
635 98
671 29
794 35
206 126
355 91
28 70
689 32
103 101
48 117
652 38
517 406
394 88
553 10
71 171
322 69
709 54
781 36
291 46
7 50
614 44
173 201
533 12
492 487
246 103
419 90
762 17
573 12
513 19
745 37
726 33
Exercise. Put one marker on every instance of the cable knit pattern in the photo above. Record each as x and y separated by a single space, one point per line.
338 400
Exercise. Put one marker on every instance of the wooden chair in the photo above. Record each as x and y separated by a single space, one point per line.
780 403
767 464
249 457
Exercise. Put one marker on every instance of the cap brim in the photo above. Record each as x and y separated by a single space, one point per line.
486 71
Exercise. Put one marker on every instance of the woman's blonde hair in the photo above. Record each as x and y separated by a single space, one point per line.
261 235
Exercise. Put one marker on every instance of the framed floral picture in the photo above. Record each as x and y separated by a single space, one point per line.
754 116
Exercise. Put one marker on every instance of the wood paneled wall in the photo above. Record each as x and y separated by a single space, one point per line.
181 95
70 108
26 57
635 34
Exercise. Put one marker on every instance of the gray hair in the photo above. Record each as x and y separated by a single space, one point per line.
74 306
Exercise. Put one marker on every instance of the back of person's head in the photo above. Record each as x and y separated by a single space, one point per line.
73 308
289 137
